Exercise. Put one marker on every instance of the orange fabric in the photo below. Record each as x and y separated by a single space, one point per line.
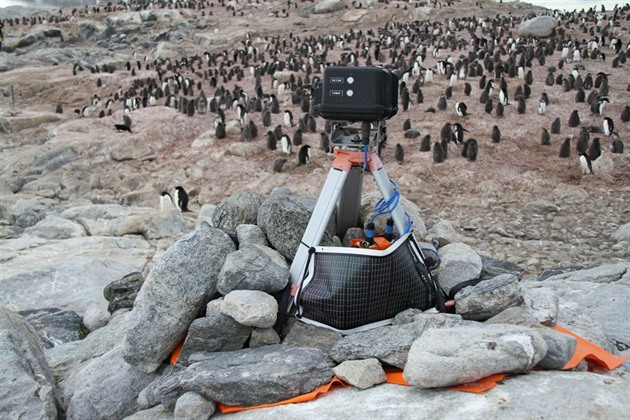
594 355
300 398
395 376
175 354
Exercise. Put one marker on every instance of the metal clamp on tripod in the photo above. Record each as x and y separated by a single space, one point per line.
353 289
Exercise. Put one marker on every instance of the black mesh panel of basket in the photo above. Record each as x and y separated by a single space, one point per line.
350 290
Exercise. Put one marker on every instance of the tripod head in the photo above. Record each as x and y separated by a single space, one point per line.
349 137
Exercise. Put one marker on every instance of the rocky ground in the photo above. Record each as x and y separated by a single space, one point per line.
494 202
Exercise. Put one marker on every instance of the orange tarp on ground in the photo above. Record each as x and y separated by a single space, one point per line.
596 357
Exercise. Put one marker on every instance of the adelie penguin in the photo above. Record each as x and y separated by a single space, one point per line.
272 142
625 114
438 153
425 143
304 155
288 119
442 103
461 109
471 150
181 198
585 163
166 202
595 149
399 153
286 144
555 126
574 119
608 126
545 138
496 134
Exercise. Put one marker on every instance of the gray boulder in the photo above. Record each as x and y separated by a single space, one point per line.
253 267
251 308
263 337
459 355
55 326
55 227
176 290
273 373
284 217
389 344
444 233
492 267
460 263
28 389
327 6
217 332
250 235
542 303
192 406
621 234
238 209
540 26
302 334
104 388
361 373
488 298
122 293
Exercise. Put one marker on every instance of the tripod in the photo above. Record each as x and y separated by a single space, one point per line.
342 189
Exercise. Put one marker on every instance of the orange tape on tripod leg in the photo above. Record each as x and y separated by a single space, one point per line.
300 398
592 353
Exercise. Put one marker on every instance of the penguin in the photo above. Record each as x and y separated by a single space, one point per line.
467 89
585 163
582 144
458 133
616 145
608 126
122 127
503 97
399 153
555 126
425 143
545 139
500 109
471 150
219 131
59 109
574 119
411 134
489 107
271 140
580 96
166 202
181 198
297 137
406 124
324 142
304 155
460 108
521 105
446 133
625 114
597 107
278 163
496 134
442 103
595 149
286 144
542 103
287 118
438 153
565 149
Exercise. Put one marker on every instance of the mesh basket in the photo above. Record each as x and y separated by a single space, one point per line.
350 288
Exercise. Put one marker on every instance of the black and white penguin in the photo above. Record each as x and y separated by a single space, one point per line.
304 155
166 202
122 127
181 198
458 133
585 163
503 97
597 107
286 144
542 103
608 126
287 118
461 108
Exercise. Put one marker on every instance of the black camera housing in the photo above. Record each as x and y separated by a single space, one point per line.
357 94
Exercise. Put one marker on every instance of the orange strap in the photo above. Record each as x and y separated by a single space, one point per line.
594 355
175 354
395 376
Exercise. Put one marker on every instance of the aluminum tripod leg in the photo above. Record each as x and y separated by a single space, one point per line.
318 222
387 191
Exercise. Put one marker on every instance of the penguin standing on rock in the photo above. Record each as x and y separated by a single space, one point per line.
166 202
181 198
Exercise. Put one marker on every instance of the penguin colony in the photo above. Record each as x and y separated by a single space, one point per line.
481 61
